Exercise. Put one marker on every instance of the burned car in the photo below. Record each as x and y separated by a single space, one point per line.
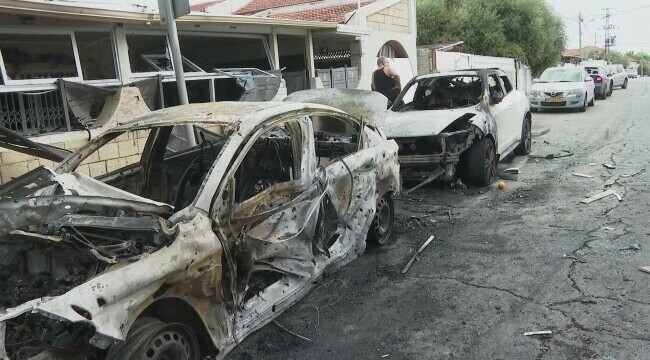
185 252
458 123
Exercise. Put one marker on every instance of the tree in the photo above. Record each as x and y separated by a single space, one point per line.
527 30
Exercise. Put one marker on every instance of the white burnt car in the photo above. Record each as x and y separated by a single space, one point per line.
191 248
458 123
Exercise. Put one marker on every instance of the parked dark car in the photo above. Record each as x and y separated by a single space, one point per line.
601 80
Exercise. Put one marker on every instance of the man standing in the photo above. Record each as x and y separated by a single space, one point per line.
385 80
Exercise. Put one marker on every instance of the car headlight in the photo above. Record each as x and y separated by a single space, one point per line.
534 93
574 92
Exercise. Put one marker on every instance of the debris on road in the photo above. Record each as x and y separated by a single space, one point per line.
608 228
574 258
539 333
602 195
609 166
582 175
291 332
565 153
645 269
633 174
511 174
632 247
501 185
541 132
421 249
592 164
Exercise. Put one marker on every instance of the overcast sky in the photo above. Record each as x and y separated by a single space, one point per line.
630 18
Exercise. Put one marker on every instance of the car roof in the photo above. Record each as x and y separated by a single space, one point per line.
230 114
467 72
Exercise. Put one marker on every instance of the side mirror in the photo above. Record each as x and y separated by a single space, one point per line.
535 80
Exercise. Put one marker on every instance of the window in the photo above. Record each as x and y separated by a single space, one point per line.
496 91
268 162
506 84
38 56
218 52
148 53
96 55
334 138
442 92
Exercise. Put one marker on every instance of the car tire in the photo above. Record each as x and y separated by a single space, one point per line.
150 338
624 84
611 89
482 162
526 141
381 227
583 108
593 102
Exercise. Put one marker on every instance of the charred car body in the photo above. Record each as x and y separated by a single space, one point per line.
458 122
189 250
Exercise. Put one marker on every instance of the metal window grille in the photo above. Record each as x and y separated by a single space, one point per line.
32 113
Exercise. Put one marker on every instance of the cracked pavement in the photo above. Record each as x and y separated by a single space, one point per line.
497 267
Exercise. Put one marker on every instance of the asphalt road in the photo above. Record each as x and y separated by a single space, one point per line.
497 267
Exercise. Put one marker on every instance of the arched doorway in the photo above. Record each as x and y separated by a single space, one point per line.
393 50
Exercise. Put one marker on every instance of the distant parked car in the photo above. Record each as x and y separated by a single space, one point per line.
632 72
618 75
460 121
602 82
561 87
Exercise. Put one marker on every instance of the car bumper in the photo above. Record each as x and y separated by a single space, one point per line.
569 102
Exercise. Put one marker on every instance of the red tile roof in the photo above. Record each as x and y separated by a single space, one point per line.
586 51
203 6
260 5
328 14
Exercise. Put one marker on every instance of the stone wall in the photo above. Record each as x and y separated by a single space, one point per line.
394 18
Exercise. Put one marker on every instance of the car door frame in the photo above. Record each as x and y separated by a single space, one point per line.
503 113
591 87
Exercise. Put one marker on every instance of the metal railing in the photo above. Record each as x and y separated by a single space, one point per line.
33 112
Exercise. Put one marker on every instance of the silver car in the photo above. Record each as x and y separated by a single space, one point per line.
563 87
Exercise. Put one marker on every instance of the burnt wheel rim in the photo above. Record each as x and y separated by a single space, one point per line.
490 161
172 342
383 220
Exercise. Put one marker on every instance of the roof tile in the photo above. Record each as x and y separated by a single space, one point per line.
328 14
261 5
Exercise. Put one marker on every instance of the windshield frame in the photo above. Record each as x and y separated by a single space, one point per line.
577 73
399 106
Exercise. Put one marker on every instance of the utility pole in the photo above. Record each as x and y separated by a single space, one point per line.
609 41
170 10
580 36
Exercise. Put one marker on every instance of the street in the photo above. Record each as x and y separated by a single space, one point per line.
497 267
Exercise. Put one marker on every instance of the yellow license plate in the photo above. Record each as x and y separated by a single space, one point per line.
555 99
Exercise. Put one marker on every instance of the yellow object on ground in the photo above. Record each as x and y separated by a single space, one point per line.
502 185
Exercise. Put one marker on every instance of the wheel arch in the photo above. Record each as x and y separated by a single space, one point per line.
177 310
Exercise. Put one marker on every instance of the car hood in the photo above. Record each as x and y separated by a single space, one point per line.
42 195
558 86
424 123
